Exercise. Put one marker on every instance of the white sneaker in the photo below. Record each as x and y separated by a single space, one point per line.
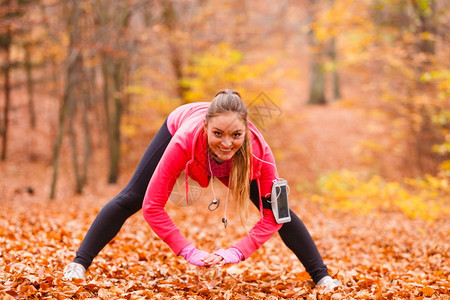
74 271
328 283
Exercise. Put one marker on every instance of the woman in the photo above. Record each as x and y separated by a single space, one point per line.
204 140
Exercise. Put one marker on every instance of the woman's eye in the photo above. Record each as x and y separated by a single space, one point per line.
216 133
237 135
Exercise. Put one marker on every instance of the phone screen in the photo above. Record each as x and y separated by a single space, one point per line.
280 204
282 201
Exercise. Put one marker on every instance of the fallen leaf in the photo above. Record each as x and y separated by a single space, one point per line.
428 291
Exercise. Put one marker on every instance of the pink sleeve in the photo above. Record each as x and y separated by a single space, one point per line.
266 226
259 234
166 173
268 173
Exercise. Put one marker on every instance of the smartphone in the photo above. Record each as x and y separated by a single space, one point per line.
279 201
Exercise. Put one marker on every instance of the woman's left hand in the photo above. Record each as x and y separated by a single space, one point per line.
213 259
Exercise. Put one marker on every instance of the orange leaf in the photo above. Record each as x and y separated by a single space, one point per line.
251 278
104 294
5 296
303 276
428 291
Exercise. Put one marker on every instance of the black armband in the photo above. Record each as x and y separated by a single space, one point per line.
266 202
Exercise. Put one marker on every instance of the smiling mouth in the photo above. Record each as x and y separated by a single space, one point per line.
225 150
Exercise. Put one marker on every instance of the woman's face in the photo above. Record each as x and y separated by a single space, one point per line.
225 135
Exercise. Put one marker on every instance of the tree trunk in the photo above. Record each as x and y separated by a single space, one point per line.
74 146
427 26
7 84
317 83
112 101
177 65
87 137
59 136
73 62
115 65
170 20
317 70
117 118
334 73
427 134
29 75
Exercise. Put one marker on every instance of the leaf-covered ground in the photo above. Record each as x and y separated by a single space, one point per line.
384 256
381 256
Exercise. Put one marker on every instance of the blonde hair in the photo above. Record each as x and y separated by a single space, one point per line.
239 182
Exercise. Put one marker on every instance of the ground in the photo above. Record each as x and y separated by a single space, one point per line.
378 256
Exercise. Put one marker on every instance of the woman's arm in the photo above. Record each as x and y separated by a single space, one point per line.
259 234
266 226
172 163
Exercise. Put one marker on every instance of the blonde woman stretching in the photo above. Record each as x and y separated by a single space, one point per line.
204 140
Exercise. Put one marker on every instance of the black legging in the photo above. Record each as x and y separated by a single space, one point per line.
129 201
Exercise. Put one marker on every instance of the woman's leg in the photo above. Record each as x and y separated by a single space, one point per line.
114 214
295 235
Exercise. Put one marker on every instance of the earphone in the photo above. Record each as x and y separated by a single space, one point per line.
275 167
216 202
267 162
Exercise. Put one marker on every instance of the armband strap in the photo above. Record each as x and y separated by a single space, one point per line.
266 202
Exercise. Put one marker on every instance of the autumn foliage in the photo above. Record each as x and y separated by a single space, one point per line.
376 256
377 249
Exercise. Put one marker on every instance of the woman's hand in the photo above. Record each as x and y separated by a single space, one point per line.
212 259
230 256
204 259
193 255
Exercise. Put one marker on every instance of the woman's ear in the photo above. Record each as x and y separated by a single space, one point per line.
205 125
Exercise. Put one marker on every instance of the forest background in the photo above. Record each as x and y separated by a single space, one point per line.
352 97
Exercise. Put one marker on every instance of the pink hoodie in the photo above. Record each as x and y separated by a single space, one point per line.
187 151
